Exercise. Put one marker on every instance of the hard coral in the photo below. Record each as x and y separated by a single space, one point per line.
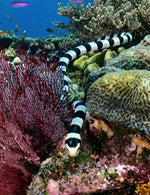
122 97
106 17
143 189
136 57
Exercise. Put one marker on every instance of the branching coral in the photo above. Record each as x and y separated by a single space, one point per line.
106 17
143 189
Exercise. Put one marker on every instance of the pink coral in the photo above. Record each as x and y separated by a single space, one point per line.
53 187
116 167
15 152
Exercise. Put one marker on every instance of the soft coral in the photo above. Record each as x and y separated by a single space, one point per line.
31 114
32 94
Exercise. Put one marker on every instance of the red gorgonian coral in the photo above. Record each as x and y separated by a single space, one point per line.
31 114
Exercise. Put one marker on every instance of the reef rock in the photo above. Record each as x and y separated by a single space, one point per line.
123 98
136 57
115 170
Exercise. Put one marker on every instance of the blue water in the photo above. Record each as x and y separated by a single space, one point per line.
34 19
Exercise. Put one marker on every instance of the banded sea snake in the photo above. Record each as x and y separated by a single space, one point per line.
73 138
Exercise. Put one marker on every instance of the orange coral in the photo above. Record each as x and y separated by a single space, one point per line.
140 143
143 189
101 125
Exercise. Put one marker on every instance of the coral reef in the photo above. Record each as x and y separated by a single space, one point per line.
82 67
136 57
51 43
32 117
106 17
114 165
91 66
122 97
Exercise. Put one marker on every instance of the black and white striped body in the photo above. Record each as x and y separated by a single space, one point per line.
73 139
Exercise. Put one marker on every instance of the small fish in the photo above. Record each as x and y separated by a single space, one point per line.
10 18
3 32
49 30
19 4
133 24
77 1
17 25
18 29
58 28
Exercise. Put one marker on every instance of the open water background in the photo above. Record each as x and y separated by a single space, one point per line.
35 18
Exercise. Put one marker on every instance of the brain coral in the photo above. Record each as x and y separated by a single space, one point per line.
123 98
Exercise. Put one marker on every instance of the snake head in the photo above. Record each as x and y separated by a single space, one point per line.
73 144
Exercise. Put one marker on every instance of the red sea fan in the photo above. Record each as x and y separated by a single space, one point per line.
12 181
31 114
15 153
32 94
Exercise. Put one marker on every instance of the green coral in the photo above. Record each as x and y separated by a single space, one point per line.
83 66
81 63
91 67
10 53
